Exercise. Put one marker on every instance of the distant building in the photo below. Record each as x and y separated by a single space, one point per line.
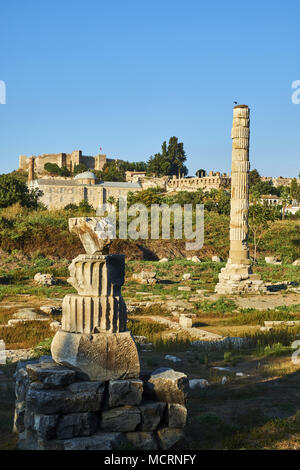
69 160
211 181
279 181
59 192
270 199
134 175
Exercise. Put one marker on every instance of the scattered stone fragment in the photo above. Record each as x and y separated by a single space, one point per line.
186 277
195 259
265 328
164 260
272 260
172 358
216 259
145 277
184 288
282 322
296 262
24 315
51 309
224 380
169 386
198 383
44 279
185 322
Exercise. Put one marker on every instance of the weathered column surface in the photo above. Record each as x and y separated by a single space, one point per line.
94 338
237 276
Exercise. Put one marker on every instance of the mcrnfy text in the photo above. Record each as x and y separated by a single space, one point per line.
163 459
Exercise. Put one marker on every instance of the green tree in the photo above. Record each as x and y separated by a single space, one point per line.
54 169
295 190
84 206
14 190
260 216
80 168
200 173
112 171
147 196
285 199
254 177
170 161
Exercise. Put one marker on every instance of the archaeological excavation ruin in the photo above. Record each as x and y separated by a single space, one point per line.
91 394
237 276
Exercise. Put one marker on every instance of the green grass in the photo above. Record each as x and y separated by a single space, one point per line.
220 306
282 335
276 349
51 292
258 317
145 328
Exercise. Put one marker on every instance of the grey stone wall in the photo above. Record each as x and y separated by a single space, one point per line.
56 410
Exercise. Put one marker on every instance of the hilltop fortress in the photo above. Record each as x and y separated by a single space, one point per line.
69 160
59 191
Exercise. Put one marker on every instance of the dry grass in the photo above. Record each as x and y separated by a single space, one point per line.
24 336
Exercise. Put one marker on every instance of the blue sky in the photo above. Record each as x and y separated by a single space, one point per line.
126 75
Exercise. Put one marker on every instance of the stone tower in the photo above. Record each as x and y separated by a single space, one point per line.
31 170
237 276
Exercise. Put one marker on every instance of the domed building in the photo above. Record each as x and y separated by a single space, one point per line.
59 192
87 177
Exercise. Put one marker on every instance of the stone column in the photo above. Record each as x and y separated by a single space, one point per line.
237 276
94 338
31 170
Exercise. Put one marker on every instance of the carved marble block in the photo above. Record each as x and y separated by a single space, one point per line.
94 337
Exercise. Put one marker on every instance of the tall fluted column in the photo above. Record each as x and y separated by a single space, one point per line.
237 276
239 252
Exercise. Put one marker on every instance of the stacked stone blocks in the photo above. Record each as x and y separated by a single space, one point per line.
55 410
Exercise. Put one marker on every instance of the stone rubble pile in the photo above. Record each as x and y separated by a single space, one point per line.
145 277
44 279
56 410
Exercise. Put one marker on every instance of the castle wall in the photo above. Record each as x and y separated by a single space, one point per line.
64 159
207 182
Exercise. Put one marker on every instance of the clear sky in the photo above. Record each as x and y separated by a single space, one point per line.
125 75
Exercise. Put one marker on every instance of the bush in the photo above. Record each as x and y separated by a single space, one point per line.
13 190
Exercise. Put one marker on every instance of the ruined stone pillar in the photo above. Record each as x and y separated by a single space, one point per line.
237 276
31 170
94 338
